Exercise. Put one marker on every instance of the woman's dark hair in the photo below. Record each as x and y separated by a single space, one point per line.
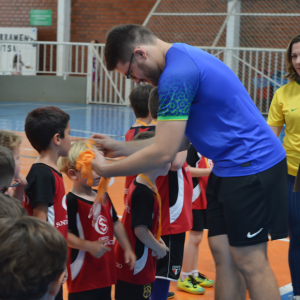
139 100
43 123
292 74
121 41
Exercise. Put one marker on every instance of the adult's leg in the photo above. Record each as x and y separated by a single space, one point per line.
294 234
230 283
191 250
253 263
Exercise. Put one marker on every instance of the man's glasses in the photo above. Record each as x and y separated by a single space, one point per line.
128 76
14 184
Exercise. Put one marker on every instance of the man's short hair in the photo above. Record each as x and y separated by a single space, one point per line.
33 254
145 135
43 123
121 41
11 207
153 103
9 140
139 100
7 167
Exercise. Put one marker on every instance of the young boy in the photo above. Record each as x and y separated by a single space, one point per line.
11 207
48 131
176 189
200 168
139 102
91 264
12 141
7 167
141 221
33 258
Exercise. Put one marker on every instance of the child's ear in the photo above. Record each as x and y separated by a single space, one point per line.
72 174
56 139
55 285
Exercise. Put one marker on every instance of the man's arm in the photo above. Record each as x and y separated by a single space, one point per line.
41 211
276 129
169 140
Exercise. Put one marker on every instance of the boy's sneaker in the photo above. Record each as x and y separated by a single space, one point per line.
190 285
203 281
294 297
171 295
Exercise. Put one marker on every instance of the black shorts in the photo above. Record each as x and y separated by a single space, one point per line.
129 291
249 208
96 294
199 219
169 267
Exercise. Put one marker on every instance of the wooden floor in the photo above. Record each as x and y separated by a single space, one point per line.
277 250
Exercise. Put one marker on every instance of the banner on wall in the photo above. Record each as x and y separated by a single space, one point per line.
17 59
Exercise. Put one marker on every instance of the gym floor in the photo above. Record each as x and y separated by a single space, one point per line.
115 121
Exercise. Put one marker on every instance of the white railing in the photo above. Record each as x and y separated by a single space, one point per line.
260 70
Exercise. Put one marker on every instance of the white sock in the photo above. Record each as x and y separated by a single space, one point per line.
194 273
184 275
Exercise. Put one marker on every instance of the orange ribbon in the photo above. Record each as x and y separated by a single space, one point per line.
154 122
141 122
158 234
84 164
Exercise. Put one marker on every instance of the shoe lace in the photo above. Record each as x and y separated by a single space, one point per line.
193 281
202 276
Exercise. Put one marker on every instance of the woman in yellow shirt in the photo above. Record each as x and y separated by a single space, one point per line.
285 109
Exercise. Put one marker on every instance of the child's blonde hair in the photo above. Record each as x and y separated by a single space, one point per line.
9 140
66 163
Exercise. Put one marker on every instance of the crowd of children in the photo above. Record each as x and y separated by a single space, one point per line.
60 243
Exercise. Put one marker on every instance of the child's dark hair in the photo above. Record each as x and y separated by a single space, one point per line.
33 254
144 135
153 103
11 207
7 167
43 123
139 100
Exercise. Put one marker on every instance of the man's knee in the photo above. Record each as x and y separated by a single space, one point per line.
250 260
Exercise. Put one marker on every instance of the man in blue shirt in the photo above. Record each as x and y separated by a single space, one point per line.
203 102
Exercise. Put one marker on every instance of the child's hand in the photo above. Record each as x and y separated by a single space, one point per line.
97 248
161 251
130 258
161 242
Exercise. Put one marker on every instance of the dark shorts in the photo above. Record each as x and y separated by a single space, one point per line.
249 208
129 291
169 267
59 295
199 219
96 294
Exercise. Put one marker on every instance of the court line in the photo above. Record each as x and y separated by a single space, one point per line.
28 149
286 289
28 156
84 131
8 104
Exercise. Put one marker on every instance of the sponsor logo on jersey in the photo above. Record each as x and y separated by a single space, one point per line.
176 269
147 291
187 169
64 202
210 163
26 199
109 243
127 208
61 223
101 225
119 265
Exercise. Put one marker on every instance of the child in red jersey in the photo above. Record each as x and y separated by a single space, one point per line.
91 264
48 131
139 102
200 168
175 189
141 221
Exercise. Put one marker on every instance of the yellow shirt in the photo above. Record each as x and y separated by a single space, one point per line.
285 109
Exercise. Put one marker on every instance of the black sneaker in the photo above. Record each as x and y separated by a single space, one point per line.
171 295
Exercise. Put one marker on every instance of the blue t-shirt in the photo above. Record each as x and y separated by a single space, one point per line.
223 123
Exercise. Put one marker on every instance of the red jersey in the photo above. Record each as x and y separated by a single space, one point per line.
141 208
131 133
196 160
85 271
176 190
45 185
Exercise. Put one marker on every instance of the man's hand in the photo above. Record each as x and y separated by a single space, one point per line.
97 248
130 258
107 145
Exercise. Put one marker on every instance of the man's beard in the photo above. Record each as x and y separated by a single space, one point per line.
151 74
